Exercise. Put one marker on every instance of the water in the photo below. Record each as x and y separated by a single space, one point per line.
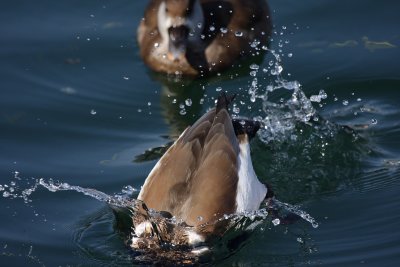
74 107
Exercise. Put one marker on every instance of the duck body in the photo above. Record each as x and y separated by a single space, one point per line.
199 37
206 174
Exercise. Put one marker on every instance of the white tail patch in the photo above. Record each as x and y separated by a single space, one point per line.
194 238
143 228
250 191
200 250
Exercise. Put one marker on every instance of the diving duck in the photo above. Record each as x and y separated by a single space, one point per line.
205 175
199 37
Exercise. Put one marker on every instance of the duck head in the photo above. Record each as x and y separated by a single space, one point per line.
180 22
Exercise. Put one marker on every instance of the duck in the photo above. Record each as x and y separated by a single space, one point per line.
207 174
202 37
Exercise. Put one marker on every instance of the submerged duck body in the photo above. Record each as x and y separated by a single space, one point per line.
198 37
206 174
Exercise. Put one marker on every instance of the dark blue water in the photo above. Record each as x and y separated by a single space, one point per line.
78 105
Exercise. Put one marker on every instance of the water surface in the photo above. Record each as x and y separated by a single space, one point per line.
78 105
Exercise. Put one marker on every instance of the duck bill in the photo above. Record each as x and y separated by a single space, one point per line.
176 53
177 42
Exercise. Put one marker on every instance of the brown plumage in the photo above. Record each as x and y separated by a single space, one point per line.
198 37
198 174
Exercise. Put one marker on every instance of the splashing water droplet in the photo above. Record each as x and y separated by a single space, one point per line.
218 89
319 97
345 102
374 121
254 67
276 222
93 112
188 102
238 34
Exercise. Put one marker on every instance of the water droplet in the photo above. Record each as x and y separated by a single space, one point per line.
125 78
156 45
238 34
345 102
359 99
93 112
255 43
322 94
276 222
254 67
224 30
199 218
199 25
212 28
374 121
149 104
139 110
218 89
290 55
315 98
300 240
182 112
188 102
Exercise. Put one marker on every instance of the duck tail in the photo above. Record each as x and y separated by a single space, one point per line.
246 126
224 101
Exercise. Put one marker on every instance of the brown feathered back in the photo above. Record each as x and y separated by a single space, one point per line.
196 178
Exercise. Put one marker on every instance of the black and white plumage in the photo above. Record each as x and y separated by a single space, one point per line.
206 174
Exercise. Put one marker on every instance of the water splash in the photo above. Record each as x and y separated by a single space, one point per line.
125 199
297 210
125 205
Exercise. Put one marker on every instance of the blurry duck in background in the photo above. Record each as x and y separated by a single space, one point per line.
199 37
205 175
